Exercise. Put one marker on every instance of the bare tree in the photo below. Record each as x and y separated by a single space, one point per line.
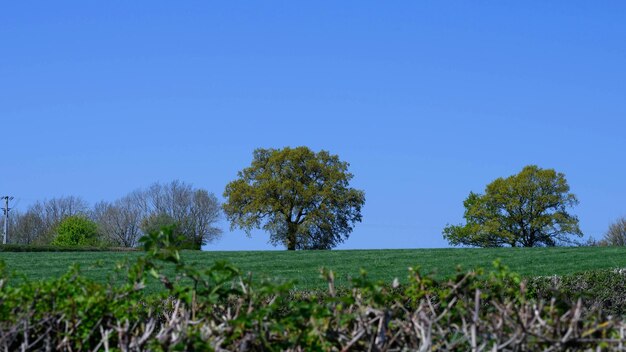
23 227
120 221
616 234
195 211
37 224
31 227
56 209
203 214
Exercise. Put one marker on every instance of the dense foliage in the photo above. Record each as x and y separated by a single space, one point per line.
219 308
76 230
528 209
302 198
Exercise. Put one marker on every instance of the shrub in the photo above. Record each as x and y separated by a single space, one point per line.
161 221
76 230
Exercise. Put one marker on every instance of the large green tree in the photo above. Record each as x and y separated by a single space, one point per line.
524 210
300 197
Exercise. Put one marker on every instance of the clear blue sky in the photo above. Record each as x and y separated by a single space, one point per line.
427 100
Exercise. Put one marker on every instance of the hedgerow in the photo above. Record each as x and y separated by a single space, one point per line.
598 289
51 248
220 308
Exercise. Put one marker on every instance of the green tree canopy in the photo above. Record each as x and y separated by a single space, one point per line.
528 209
76 230
300 197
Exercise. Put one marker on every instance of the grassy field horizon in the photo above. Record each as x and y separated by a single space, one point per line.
304 266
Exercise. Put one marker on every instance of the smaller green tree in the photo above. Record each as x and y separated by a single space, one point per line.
76 230
524 210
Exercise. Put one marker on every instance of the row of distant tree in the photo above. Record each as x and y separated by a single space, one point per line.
193 212
303 200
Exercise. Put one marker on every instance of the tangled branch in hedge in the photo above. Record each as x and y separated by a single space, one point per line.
220 309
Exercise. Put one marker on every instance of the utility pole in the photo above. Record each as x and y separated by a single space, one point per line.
6 217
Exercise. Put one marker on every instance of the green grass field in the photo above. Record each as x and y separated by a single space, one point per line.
304 266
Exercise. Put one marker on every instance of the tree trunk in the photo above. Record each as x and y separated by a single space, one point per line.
292 230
